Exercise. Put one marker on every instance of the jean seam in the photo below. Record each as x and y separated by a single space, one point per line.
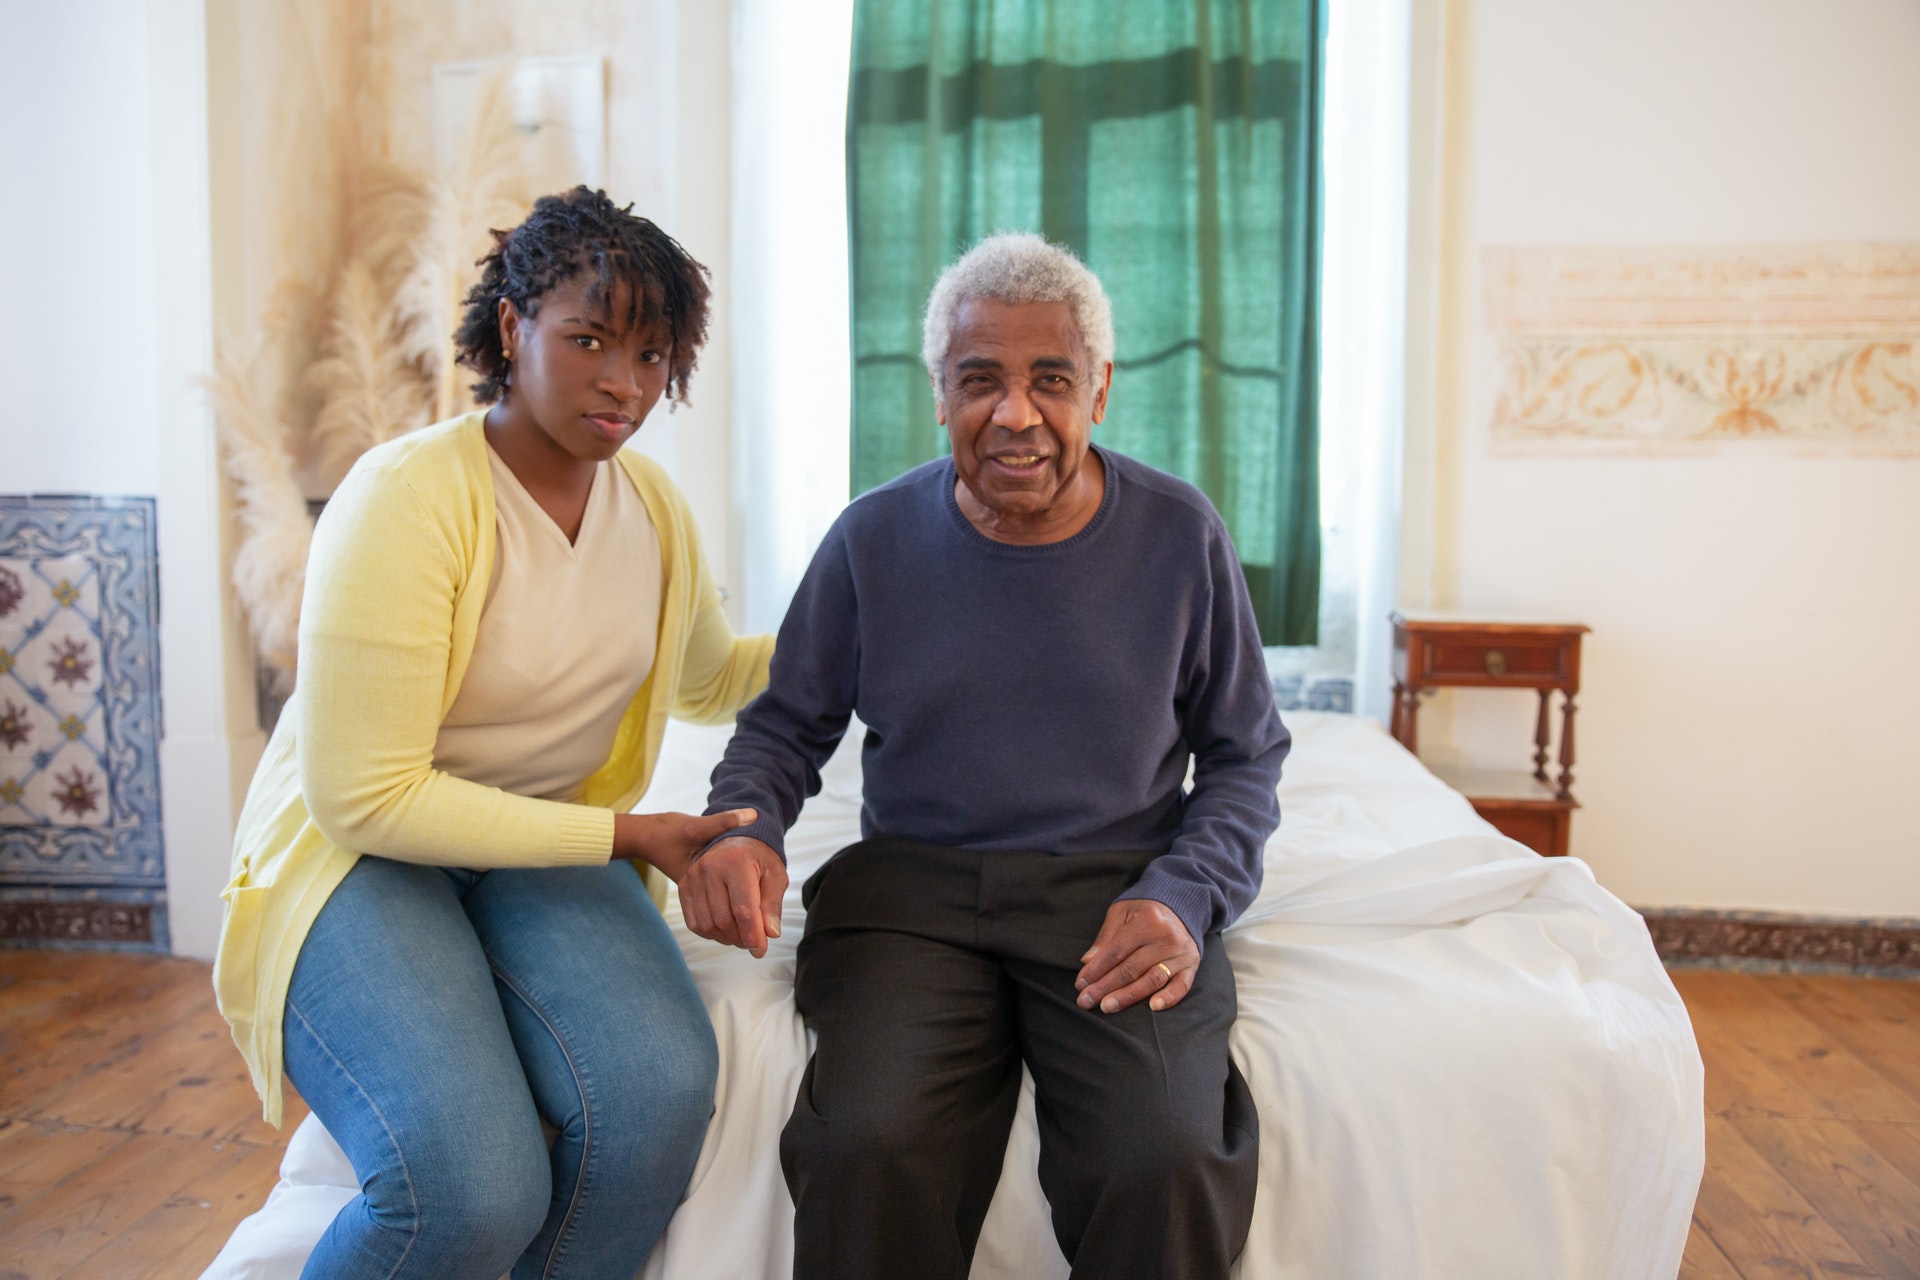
558 1247
419 1217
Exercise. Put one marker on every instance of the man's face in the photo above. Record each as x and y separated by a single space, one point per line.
1019 395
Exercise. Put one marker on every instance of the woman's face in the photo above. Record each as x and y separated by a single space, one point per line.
584 377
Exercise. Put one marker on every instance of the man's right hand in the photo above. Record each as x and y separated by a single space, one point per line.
732 893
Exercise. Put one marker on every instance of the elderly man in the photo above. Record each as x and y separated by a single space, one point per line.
1040 636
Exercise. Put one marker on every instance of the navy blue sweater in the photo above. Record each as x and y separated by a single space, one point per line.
1042 698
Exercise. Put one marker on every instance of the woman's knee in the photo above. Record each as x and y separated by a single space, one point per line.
478 1192
651 1115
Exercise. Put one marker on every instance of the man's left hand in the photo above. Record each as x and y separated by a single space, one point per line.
1143 953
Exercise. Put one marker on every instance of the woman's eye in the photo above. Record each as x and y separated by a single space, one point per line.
586 342
651 357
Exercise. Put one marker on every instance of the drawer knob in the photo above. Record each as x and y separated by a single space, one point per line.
1496 663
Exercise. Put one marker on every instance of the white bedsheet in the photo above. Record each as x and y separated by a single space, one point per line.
1467 1059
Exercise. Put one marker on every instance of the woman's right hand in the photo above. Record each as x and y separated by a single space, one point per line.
670 840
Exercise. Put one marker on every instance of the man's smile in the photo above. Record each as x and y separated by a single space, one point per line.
1018 464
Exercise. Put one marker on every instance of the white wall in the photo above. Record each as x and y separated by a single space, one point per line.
1745 737
77 330
108 320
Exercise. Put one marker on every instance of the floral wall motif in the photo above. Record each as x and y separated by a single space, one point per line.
1676 350
80 845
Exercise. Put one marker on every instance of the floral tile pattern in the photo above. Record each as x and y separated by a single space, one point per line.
79 709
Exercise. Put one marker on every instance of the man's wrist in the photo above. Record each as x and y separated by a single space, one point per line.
765 829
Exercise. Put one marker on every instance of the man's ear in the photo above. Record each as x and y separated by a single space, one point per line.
1100 396
939 401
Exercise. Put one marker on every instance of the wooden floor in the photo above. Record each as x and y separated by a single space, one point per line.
1813 1126
130 1143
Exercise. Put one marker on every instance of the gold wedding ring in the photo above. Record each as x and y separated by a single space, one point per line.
1162 966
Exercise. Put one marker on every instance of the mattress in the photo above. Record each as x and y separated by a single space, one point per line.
1467 1059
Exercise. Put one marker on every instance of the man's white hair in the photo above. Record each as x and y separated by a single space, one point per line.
1018 267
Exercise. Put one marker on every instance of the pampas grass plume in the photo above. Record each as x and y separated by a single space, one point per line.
483 188
371 393
270 564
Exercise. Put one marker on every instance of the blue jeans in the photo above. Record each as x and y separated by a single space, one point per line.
435 1016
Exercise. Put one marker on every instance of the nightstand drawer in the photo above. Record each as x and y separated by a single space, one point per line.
1525 662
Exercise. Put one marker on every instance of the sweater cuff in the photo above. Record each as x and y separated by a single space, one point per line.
1193 904
586 837
767 830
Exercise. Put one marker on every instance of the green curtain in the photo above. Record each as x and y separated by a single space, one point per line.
1172 144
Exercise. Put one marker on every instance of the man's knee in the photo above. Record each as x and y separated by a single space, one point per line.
878 1131
1154 1149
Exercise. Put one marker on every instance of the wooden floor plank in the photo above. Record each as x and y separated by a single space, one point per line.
1703 1260
1850 1011
33 991
1738 1083
181 1235
1895 999
125 1092
53 1232
1762 1224
34 1157
1797 1050
1897 1144
94 1043
48 1014
1866 1200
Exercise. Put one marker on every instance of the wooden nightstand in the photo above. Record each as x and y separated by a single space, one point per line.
1434 650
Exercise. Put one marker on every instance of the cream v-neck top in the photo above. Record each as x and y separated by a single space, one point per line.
566 638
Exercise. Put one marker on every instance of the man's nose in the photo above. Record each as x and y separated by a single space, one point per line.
1016 410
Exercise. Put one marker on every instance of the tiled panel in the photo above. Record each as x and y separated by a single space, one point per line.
80 722
1319 693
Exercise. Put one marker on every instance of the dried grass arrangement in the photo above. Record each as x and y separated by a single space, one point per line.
384 361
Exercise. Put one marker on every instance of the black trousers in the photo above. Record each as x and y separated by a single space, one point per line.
929 975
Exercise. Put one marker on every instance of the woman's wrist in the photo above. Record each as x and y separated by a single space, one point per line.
671 841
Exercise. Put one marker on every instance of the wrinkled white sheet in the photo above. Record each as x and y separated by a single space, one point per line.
1467 1059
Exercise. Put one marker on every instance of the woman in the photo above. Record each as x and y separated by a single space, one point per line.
430 923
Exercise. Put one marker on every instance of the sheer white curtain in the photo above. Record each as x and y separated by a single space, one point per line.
788 305
1362 345
788 293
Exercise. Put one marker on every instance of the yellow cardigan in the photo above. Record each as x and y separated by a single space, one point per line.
398 573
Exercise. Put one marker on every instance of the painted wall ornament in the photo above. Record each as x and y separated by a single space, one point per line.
1664 350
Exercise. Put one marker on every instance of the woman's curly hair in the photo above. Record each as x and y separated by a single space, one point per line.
583 231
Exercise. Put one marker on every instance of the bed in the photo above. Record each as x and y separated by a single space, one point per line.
1467 1059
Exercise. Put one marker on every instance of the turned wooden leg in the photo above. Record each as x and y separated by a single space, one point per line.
1566 750
1540 737
1410 722
1394 718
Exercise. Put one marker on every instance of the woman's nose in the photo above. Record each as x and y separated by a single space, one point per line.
620 378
